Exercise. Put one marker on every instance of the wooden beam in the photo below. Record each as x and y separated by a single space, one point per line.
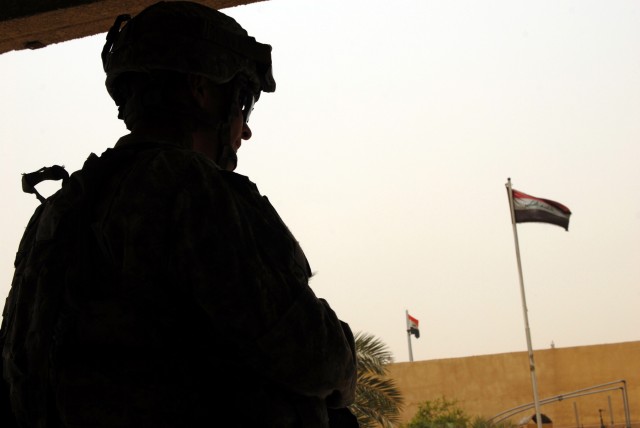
61 25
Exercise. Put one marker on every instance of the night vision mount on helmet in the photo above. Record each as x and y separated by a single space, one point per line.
186 37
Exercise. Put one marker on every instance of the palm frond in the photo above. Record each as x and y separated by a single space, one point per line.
373 355
378 401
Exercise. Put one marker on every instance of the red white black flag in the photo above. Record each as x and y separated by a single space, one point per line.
412 326
527 208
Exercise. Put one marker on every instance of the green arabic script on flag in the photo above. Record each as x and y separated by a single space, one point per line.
527 208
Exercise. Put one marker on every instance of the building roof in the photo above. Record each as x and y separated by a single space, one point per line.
33 24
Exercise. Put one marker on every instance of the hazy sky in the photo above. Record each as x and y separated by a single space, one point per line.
386 148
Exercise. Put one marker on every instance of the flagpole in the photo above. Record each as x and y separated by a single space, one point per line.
406 317
532 367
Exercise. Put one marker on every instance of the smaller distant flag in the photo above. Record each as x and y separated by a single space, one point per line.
527 208
412 326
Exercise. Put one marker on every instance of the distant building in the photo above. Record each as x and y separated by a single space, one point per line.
489 385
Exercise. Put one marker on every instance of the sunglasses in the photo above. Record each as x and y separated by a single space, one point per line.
247 100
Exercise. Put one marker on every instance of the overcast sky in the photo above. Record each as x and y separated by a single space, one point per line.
386 148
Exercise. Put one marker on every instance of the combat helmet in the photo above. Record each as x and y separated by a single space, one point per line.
186 37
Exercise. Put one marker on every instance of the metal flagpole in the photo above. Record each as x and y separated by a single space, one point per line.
406 317
532 367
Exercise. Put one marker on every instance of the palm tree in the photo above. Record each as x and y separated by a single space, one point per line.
378 401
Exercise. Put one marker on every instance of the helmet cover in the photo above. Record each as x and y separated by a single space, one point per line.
186 37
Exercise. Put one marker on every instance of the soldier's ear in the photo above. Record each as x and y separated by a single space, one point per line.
198 88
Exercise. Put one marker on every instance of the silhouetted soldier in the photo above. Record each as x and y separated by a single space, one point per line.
185 300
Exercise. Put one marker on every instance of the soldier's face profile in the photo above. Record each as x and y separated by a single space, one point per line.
218 105
239 129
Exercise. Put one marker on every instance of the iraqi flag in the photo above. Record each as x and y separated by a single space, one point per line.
412 326
527 208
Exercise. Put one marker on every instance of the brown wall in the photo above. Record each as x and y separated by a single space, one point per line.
487 385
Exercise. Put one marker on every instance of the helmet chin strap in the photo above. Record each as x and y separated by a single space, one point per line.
228 160
226 157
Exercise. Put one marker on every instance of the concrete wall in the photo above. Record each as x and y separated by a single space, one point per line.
487 385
